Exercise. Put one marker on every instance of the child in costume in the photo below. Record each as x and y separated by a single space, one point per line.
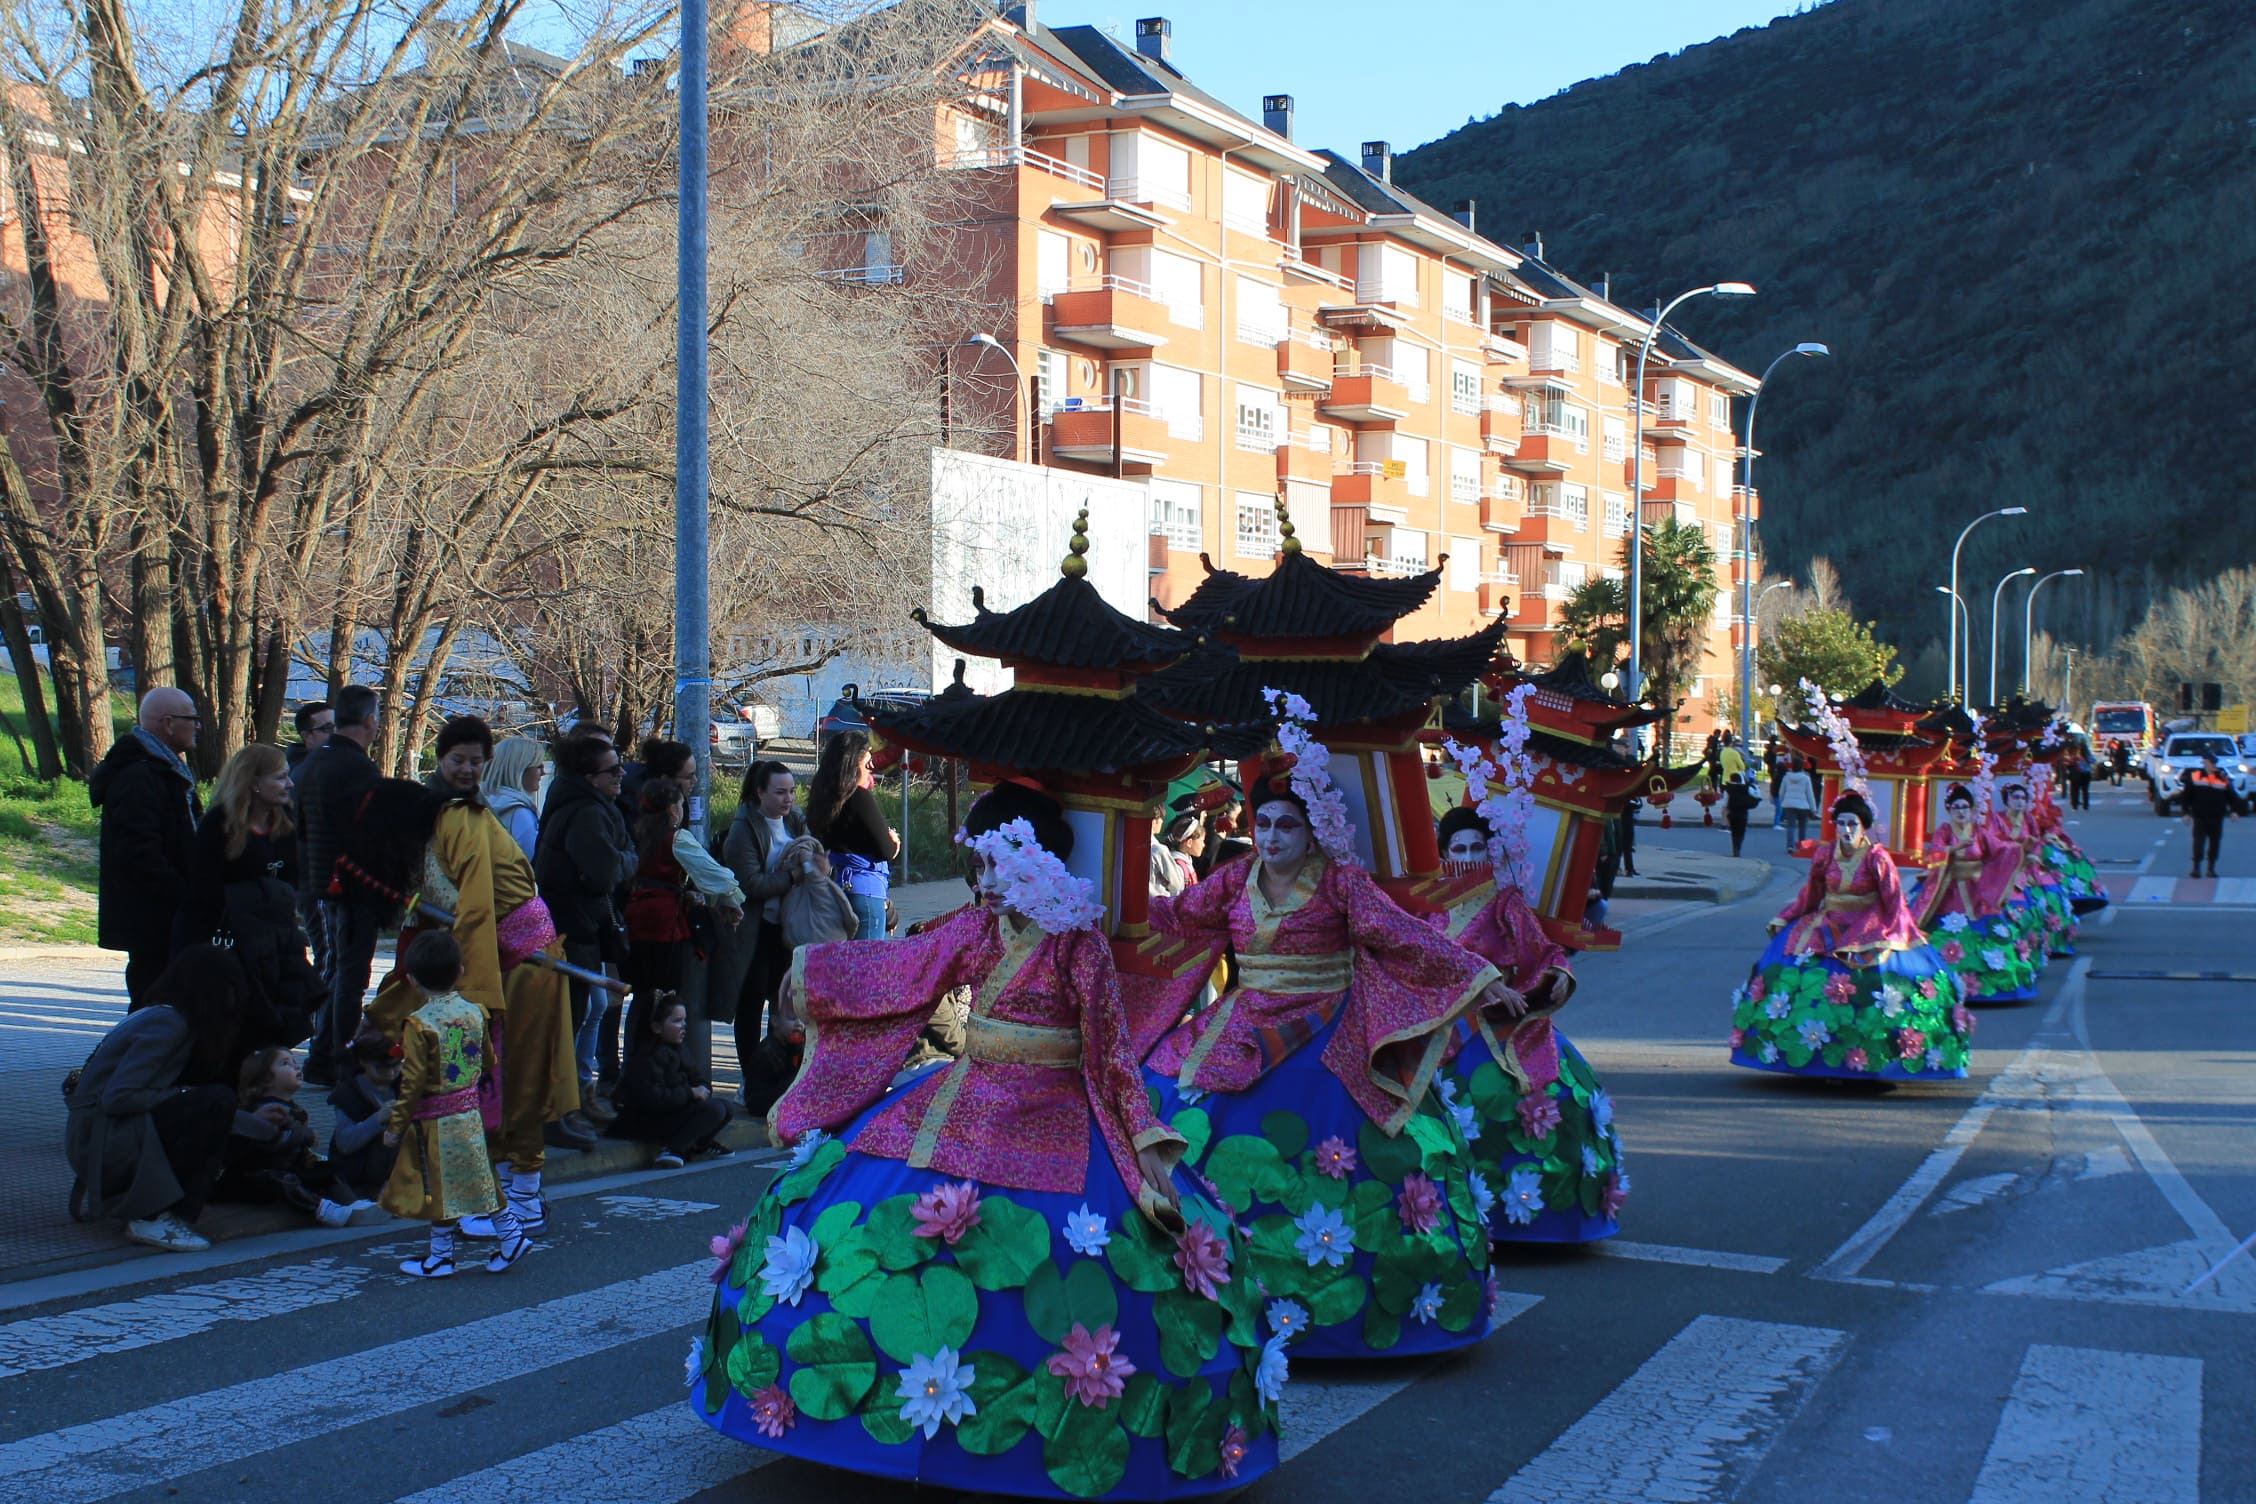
990 1278
442 1173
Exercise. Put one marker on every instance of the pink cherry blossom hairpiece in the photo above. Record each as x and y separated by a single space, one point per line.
1502 789
1311 775
1035 882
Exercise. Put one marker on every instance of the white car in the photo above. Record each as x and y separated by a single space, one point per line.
738 736
2182 752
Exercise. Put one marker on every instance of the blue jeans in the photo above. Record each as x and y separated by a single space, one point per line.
870 910
591 1004
1797 826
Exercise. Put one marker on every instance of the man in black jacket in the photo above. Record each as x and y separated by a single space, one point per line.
581 857
316 724
147 798
2207 796
331 782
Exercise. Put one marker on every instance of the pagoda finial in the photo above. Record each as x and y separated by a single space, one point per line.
1286 542
1074 566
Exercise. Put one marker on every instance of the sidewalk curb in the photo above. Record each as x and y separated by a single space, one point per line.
61 953
225 1224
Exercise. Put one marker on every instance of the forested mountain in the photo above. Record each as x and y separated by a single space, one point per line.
2027 228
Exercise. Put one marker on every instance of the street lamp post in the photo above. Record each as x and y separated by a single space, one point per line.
1637 477
1747 539
989 342
2029 624
1746 683
1996 596
693 643
1958 609
1955 547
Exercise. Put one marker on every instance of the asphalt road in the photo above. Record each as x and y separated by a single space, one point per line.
1943 1292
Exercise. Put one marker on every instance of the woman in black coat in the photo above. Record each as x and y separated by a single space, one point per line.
243 895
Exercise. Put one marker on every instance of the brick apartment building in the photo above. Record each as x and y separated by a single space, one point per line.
1198 299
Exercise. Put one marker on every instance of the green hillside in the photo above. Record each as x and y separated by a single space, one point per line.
2027 228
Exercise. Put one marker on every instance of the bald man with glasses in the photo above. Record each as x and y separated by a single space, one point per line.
146 795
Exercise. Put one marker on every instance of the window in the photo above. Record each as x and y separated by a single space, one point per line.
1543 499
1617 514
1147 170
1176 509
1464 475
1723 475
1257 525
1053 257
1259 419
1261 312
1412 453
1406 548
1464 563
1077 152
1606 358
1245 202
1176 282
1555 347
1575 423
1673 399
1617 440
1178 397
1574 504
1719 410
1049 380
1464 388
1386 274
878 264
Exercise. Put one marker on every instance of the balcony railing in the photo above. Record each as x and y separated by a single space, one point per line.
1017 156
1259 334
1462 316
1255 439
1111 283
1466 404
1137 191
871 275
1464 488
1503 577
1378 563
1314 273
1345 369
1314 440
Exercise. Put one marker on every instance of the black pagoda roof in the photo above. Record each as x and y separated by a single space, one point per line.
1300 598
1610 756
1068 625
1878 696
1215 684
1042 733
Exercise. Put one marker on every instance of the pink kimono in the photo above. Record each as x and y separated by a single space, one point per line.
1970 877
2019 858
1504 931
1336 942
1046 1048
1856 912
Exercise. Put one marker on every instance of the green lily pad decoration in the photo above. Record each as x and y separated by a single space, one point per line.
1288 1131
1494 1096
881 1417
891 1228
1337 1299
754 1304
1382 1328
860 1298
918 1314
1190 1331
1085 1452
753 1365
1004 1395
801 1183
845 1260
1197 1129
835 1222
1008 1245
1143 1409
1461 1302
835 1366
1246 1409
1195 1421
1143 1256
1384 1158
1247 1170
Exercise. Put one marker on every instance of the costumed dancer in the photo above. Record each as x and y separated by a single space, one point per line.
1304 1089
2078 877
1542 1127
2052 915
448 848
1962 905
991 1278
1848 986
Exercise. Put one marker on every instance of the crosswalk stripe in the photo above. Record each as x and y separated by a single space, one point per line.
2085 1423
1690 1423
659 1457
43 1342
179 1437
1705 1258
666 1455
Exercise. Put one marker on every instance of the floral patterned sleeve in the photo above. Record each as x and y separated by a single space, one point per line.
1116 1086
1888 893
1204 907
1413 952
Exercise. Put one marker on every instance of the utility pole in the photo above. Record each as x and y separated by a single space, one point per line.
693 638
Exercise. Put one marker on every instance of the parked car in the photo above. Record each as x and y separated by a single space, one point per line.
740 731
844 715
2182 752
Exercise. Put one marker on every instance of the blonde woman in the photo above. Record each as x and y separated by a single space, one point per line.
511 784
243 886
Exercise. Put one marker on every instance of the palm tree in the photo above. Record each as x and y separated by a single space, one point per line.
1680 598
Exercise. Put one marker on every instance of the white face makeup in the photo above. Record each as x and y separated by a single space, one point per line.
1850 828
1465 846
988 879
1280 833
1961 814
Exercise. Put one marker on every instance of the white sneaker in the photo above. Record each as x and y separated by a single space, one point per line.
330 1214
532 1216
363 1213
165 1230
667 1160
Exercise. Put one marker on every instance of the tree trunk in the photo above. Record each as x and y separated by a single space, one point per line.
67 586
46 761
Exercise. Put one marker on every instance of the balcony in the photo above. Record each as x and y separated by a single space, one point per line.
1500 425
1542 453
1018 156
1253 438
1299 459
1082 431
1143 191
1305 360
1400 569
867 276
1501 512
1500 347
1349 526
1366 484
1497 588
1677 488
1657 510
1109 313
1367 394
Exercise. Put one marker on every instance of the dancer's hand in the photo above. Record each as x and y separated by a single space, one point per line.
1502 998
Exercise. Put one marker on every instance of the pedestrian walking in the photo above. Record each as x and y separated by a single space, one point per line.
511 786
316 723
2119 763
147 799
331 781
2208 796
842 813
1711 758
1797 801
1774 768
1625 826
2079 781
441 1175
1739 801
582 857
748 961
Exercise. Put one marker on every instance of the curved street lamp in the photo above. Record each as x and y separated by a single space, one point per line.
1955 547
1958 609
1747 538
1637 477
1996 596
989 342
2029 623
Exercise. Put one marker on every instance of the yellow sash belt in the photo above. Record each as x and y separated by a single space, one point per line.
1296 974
998 1042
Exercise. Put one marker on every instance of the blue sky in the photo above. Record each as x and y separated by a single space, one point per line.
1410 70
